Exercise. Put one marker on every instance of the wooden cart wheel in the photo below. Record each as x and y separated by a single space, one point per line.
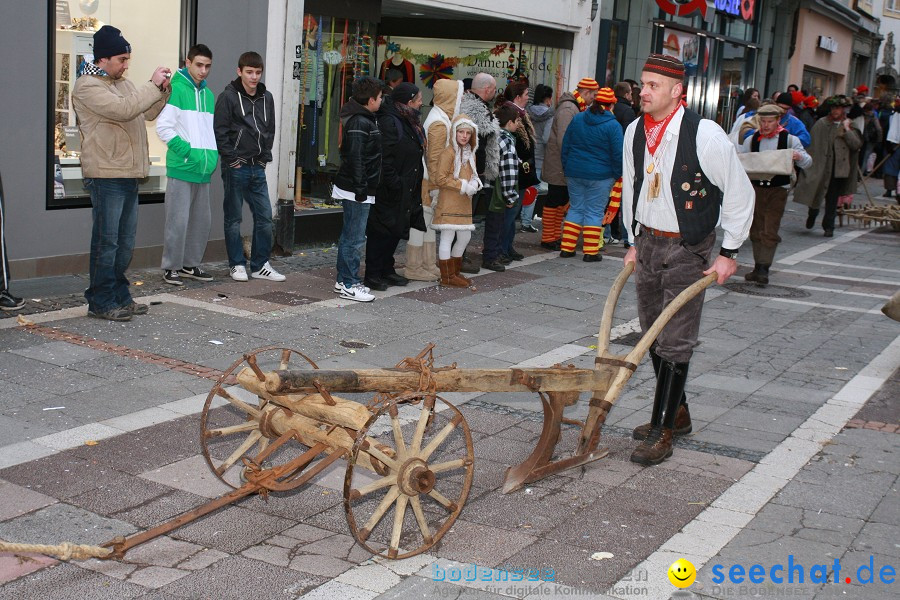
232 432
430 473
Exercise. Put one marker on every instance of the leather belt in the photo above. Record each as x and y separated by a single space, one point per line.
658 233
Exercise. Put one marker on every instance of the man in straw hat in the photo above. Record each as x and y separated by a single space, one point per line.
835 151
681 177
771 194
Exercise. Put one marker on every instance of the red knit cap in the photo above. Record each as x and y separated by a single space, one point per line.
669 66
605 96
811 101
587 83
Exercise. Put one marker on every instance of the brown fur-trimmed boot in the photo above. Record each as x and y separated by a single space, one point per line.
457 269
446 271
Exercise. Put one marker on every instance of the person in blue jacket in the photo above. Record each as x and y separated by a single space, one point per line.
794 126
592 161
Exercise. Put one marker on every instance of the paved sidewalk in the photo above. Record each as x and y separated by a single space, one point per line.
100 433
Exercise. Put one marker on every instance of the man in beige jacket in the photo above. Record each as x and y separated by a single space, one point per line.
114 156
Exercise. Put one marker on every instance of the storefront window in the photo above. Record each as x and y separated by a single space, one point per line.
719 57
612 48
334 53
818 83
337 50
154 30
732 81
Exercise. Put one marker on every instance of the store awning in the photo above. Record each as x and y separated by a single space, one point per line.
411 19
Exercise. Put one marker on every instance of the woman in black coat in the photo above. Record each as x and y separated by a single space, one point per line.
398 201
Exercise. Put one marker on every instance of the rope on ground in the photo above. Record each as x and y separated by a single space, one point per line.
64 551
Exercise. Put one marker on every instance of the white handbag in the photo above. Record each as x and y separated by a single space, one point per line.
767 164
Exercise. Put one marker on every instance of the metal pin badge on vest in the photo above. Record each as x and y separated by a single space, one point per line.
685 186
689 205
693 192
703 193
684 167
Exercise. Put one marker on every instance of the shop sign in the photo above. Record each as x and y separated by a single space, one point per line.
683 8
744 9
828 43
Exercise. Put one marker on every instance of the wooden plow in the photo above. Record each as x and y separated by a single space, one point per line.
268 426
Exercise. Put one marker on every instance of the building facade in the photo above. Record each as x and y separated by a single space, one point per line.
887 78
312 49
824 46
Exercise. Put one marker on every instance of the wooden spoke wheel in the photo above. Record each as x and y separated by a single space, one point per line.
429 472
233 421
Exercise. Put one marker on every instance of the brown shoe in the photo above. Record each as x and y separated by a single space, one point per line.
682 425
457 269
655 449
468 266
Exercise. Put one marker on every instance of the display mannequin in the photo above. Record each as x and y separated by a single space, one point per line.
401 64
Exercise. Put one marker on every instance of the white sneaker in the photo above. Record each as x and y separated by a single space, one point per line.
239 273
339 287
357 292
267 272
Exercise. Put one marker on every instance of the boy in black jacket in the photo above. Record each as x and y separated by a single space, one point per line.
356 182
244 126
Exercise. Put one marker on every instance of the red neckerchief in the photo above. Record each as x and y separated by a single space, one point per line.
581 103
778 130
653 130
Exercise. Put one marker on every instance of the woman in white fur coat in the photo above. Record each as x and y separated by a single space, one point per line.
457 181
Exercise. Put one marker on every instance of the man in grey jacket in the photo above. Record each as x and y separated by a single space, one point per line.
476 104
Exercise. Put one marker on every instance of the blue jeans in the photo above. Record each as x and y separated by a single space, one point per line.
353 236
247 183
587 200
508 232
528 214
115 215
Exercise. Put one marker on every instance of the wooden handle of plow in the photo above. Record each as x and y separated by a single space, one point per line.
610 308
686 295
64 551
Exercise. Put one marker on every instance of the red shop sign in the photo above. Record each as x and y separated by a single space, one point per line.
683 8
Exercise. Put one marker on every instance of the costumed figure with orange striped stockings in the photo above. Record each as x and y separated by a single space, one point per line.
592 161
556 202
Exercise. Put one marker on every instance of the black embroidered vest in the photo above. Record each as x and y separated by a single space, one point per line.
697 201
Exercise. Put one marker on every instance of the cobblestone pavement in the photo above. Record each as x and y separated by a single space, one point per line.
793 391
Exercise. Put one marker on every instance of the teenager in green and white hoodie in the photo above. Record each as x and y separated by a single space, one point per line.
186 126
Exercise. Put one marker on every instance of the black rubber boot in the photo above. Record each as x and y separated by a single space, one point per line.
669 390
677 380
683 424
754 274
811 218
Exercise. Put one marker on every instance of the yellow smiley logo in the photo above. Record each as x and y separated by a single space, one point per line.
682 573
